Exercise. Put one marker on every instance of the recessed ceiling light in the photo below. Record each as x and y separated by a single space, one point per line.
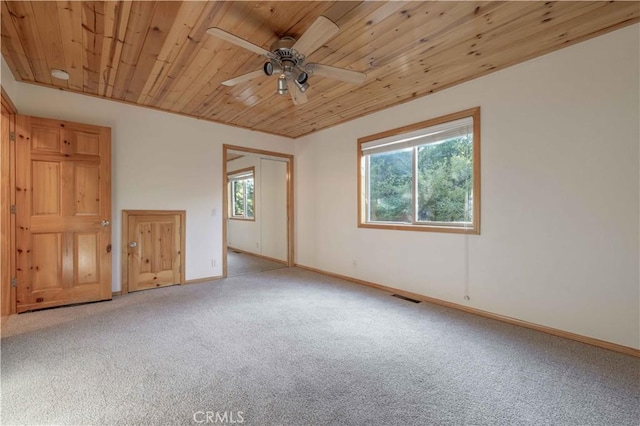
62 75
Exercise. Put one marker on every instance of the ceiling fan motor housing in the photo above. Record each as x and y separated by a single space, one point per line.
282 48
287 62
285 59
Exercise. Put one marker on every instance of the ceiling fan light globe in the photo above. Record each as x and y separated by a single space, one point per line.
268 68
302 78
282 86
271 68
301 86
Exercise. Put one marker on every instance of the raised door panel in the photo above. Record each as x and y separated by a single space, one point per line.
166 248
86 185
86 258
48 259
82 142
46 139
45 188
145 247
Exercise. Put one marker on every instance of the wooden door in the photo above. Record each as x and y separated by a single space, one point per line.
63 201
7 224
154 250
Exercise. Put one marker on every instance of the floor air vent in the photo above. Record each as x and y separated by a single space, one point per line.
405 298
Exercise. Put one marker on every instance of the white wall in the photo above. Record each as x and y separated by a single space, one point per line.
161 161
267 234
559 243
8 82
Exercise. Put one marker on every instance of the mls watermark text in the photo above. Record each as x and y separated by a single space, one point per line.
218 417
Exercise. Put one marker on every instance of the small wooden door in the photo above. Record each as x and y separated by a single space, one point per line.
63 218
154 249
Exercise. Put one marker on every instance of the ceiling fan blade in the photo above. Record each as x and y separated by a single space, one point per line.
242 78
321 31
335 73
223 35
297 96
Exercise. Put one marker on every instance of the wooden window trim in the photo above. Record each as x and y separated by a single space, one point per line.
474 228
251 169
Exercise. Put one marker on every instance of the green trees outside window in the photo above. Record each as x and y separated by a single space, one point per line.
425 176
242 198
390 177
445 181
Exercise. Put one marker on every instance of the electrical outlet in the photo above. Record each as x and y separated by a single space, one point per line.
355 263
257 245
213 263
214 212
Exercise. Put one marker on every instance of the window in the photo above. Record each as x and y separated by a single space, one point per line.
423 177
241 194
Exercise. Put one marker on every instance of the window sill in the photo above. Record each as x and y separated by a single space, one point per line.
243 219
422 228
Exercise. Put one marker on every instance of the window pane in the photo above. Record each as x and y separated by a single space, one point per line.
445 181
250 197
390 186
238 198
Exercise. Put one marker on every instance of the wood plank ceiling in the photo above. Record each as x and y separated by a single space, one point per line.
158 54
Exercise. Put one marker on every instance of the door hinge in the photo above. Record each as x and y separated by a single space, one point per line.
13 209
12 136
14 282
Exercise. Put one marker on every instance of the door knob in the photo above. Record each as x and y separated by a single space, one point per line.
105 223
133 244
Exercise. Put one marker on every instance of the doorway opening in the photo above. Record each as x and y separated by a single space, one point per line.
257 210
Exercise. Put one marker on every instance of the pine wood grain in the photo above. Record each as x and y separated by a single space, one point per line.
63 190
158 54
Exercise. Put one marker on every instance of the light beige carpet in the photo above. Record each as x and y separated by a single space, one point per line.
242 263
290 347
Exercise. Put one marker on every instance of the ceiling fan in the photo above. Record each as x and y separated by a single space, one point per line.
287 60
